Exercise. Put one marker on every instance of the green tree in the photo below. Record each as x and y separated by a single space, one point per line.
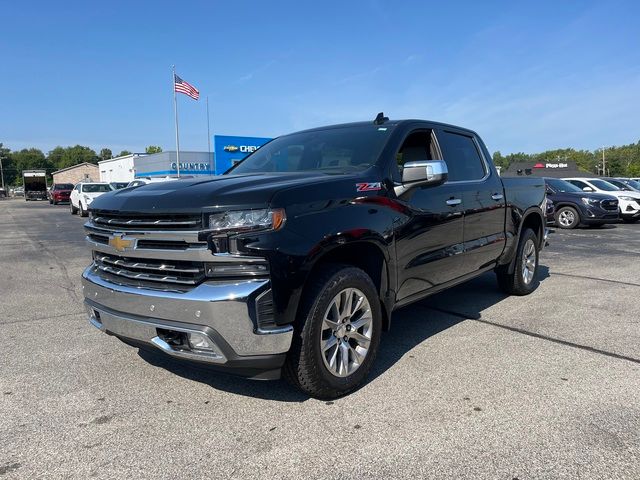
8 167
124 152
78 154
153 149
105 154
55 157
30 159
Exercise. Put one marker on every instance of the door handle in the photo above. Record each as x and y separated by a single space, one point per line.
497 196
452 202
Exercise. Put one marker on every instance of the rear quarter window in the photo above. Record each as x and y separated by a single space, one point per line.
462 157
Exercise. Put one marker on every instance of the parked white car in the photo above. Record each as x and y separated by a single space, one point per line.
628 202
84 193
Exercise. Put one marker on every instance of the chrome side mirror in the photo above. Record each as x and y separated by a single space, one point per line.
422 173
428 172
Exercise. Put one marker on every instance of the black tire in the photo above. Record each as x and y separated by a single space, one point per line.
73 209
630 220
305 366
83 212
50 202
514 283
595 225
563 215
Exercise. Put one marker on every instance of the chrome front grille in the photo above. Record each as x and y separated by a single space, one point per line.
150 270
609 205
145 222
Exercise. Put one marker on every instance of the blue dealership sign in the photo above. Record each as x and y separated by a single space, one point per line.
229 150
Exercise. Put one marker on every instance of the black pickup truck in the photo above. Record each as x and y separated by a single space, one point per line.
294 260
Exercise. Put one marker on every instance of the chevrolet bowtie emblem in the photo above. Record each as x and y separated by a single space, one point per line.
119 242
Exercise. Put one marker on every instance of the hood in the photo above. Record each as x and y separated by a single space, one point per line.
195 194
94 194
624 193
597 196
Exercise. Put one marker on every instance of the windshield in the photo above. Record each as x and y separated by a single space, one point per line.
606 186
562 185
633 184
96 188
339 149
63 186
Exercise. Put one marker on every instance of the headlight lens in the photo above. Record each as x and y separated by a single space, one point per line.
590 201
628 199
243 220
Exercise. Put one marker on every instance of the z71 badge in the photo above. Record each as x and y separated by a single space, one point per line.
368 187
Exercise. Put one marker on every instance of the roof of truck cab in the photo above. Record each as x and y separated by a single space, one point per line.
388 123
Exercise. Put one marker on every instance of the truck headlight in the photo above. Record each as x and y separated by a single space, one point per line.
590 201
245 220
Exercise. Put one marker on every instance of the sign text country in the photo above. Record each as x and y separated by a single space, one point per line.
190 166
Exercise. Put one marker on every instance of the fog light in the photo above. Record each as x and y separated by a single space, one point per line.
199 341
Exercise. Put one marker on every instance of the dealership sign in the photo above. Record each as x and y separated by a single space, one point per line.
230 150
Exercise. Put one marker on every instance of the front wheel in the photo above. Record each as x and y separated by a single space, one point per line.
83 211
338 333
73 209
630 220
522 281
567 217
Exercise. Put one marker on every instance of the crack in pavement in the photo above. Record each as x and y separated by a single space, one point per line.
27 320
596 279
540 336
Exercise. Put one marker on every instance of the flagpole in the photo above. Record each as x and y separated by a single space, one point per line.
209 137
175 110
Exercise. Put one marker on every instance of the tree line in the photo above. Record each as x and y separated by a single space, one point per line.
623 161
14 162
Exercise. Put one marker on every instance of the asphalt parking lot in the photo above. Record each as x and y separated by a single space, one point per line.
469 383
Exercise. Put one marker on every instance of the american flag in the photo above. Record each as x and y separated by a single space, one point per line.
184 87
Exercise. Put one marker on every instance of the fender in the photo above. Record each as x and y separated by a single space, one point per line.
509 255
365 249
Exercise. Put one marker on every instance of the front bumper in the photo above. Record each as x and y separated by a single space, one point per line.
218 310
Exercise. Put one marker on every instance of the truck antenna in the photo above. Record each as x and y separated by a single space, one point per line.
380 119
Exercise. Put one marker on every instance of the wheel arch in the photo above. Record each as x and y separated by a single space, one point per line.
369 256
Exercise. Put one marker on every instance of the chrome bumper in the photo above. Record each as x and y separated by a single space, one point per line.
220 310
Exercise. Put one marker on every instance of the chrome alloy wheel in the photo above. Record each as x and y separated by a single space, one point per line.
528 261
566 218
346 332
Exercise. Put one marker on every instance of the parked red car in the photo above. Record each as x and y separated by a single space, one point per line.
59 192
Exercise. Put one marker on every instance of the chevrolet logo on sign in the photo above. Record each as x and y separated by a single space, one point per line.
231 148
118 242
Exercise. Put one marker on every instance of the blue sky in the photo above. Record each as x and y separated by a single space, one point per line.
528 76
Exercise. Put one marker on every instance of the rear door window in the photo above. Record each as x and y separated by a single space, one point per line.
462 156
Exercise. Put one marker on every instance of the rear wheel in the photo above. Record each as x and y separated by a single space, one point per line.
567 217
522 281
338 334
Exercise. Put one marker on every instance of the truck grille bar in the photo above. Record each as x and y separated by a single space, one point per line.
184 273
174 222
